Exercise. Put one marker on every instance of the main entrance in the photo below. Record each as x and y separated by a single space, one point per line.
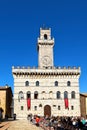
47 110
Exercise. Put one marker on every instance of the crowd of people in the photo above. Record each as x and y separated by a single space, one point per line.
58 123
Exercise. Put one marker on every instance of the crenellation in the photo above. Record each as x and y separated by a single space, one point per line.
46 68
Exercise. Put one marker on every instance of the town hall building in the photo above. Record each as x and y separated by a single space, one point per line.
46 90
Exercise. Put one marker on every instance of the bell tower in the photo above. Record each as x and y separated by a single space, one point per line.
45 48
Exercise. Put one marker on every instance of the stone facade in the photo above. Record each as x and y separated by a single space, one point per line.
47 86
6 100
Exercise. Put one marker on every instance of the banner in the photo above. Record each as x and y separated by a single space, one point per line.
28 103
66 103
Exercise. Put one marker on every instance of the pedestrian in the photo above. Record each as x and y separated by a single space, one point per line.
37 120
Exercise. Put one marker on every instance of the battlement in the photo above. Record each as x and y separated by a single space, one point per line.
50 67
54 71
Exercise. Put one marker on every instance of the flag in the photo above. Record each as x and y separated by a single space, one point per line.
28 103
66 103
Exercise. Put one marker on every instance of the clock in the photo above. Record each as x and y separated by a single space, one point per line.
46 60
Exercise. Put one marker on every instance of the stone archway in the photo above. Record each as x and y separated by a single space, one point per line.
47 110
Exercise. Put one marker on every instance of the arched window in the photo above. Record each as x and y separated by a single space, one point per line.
45 36
28 94
37 83
27 83
20 95
43 94
65 94
56 83
58 95
68 83
50 94
73 94
35 95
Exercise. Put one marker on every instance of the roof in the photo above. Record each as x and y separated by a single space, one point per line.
5 88
83 94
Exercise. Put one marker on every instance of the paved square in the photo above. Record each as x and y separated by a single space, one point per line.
22 125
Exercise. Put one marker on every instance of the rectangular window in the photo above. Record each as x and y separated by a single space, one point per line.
35 108
22 108
54 105
72 107
58 107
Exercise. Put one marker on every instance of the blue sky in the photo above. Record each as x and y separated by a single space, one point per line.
20 21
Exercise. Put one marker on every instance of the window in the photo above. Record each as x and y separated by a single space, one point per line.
58 107
45 36
72 107
27 83
54 105
56 83
43 95
22 107
50 94
28 94
37 83
58 95
68 83
73 94
35 107
35 95
40 105
65 94
20 95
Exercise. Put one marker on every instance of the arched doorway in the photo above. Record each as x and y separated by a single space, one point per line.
47 110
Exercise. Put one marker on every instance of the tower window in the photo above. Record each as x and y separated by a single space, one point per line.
26 83
68 83
45 36
56 83
37 83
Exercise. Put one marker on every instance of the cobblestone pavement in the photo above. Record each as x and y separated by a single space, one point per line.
22 125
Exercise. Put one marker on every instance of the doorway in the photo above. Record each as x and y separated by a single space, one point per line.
47 110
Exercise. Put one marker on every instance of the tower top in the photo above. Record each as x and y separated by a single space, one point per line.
45 34
44 27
